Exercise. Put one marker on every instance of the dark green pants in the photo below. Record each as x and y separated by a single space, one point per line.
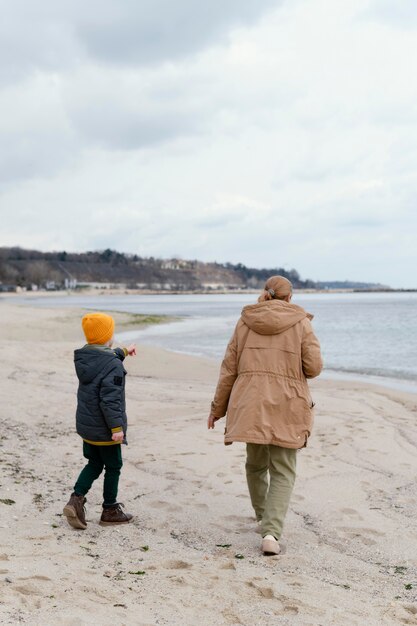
99 457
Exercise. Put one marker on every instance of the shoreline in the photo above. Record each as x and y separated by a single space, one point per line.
347 556
149 292
386 382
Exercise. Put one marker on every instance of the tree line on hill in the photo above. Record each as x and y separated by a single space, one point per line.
33 269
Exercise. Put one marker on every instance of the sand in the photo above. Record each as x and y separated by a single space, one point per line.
350 539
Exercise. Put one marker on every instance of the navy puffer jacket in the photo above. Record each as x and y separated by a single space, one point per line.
101 392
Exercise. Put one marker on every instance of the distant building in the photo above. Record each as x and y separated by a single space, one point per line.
175 264
213 286
96 285
70 283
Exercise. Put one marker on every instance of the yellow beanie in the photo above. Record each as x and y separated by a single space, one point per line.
98 327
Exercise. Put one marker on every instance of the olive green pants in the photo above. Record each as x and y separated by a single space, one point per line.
270 472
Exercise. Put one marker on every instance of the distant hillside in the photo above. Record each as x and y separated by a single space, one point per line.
108 268
347 284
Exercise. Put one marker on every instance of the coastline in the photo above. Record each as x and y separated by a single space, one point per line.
349 539
122 291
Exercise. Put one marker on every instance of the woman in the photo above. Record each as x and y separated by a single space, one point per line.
263 389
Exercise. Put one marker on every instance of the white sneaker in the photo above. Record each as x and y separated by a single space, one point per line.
270 546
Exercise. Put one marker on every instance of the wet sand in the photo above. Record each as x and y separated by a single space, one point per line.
350 540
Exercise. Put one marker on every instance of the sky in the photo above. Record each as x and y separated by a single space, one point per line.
275 133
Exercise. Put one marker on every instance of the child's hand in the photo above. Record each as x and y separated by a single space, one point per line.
131 350
118 437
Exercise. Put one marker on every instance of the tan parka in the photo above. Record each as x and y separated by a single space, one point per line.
262 384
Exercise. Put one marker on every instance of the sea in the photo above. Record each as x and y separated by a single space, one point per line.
366 336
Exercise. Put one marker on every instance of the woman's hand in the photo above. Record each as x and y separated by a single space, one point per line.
211 421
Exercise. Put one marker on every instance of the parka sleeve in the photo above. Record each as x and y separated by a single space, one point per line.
121 353
227 377
310 352
111 396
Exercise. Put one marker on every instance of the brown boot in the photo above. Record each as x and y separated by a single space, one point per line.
114 515
74 511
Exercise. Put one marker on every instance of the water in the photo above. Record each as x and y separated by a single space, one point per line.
362 334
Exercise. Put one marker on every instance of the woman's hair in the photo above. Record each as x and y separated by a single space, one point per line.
276 288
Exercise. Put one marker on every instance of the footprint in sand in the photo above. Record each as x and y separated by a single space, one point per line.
351 513
265 592
228 565
161 504
364 535
177 565
269 594
36 577
297 498
231 618
28 590
238 518
404 614
197 505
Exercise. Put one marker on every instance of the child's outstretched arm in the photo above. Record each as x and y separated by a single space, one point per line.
122 353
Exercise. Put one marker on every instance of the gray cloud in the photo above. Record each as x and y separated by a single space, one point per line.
107 96
34 36
35 137
133 110
54 36
31 155
158 30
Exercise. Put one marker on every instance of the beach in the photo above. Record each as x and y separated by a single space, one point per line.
350 539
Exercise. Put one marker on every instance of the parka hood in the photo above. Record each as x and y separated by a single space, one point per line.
273 316
90 360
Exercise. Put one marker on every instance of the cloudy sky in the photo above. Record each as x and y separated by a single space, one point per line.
268 132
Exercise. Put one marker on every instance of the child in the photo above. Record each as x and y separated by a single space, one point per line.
101 419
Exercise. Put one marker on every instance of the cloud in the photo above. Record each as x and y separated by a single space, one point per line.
53 36
35 36
131 110
152 31
87 65
36 139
